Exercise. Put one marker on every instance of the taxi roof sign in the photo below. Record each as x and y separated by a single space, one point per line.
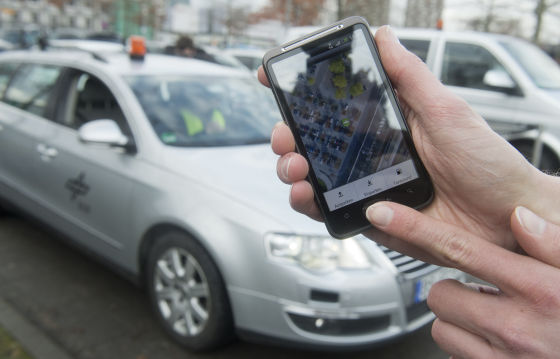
137 47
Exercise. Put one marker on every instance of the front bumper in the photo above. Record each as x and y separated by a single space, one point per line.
373 312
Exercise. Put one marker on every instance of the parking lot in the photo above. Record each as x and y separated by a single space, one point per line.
89 312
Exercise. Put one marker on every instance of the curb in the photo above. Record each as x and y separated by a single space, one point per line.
33 340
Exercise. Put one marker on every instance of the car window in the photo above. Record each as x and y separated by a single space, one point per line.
418 47
206 110
465 65
7 70
90 99
31 87
540 67
251 62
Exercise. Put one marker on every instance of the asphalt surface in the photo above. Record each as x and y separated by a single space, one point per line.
55 299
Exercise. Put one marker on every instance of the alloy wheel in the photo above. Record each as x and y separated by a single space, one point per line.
182 292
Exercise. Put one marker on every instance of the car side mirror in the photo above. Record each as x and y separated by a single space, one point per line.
105 132
500 80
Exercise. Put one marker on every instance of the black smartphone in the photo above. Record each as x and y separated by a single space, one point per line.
336 98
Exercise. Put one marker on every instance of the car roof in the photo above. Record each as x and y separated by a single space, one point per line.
419 33
89 45
154 64
120 63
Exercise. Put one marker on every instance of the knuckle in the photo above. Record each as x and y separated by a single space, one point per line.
283 167
280 170
515 338
412 224
546 298
453 248
555 242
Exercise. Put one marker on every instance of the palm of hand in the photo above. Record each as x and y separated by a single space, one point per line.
471 169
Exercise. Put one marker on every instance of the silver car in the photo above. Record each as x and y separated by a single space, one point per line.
161 167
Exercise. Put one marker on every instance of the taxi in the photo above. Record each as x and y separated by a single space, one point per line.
162 167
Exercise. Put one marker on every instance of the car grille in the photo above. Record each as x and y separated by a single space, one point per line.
406 265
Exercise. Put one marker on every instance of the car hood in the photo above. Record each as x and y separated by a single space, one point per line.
246 174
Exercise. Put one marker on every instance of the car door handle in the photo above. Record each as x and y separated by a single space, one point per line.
47 153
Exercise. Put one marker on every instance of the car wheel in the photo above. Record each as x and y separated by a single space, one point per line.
187 293
549 161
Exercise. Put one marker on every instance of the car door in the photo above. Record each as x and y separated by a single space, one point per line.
88 185
25 130
467 69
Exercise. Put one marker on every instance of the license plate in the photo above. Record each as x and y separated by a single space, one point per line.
424 284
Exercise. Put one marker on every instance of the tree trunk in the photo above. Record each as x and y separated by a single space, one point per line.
539 12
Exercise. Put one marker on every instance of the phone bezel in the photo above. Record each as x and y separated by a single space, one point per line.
350 219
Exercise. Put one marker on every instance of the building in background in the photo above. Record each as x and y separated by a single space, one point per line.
197 16
138 17
86 15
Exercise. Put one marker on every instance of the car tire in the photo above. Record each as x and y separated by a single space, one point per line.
549 163
187 293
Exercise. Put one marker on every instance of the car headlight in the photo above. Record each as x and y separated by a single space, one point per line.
317 253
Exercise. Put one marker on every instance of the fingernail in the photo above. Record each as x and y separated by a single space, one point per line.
391 34
273 132
530 221
286 167
379 214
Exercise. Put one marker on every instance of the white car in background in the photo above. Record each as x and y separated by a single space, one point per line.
513 84
251 58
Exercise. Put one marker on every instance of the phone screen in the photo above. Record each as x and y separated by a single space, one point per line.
346 117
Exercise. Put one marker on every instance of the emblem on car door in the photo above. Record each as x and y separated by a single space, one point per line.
77 186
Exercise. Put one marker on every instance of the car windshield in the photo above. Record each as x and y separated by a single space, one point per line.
544 72
206 111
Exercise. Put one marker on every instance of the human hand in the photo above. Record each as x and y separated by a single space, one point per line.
478 177
520 319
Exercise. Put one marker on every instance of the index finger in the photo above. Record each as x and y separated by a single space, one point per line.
453 246
262 77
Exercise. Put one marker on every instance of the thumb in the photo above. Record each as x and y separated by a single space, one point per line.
539 238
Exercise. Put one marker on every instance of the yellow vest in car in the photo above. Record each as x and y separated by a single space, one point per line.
195 125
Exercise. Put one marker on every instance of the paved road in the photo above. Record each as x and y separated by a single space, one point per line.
92 313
